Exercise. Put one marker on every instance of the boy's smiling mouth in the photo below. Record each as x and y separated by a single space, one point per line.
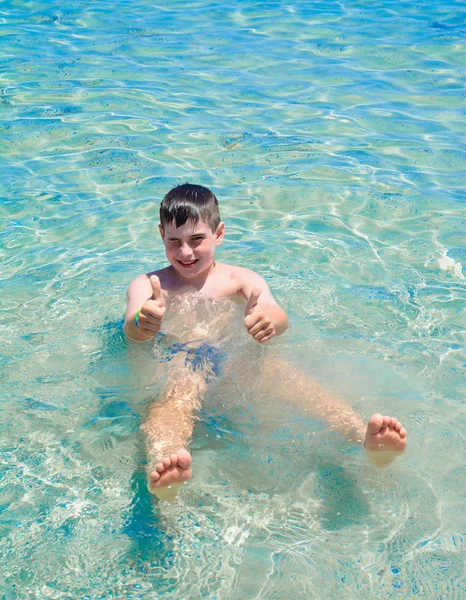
187 264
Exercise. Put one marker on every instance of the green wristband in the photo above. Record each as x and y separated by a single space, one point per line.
136 318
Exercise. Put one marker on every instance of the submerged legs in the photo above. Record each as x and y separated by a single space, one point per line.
169 425
384 437
168 429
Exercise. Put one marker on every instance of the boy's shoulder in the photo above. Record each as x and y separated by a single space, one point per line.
239 273
240 279
143 281
164 274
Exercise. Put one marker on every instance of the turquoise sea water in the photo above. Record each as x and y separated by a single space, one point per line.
333 135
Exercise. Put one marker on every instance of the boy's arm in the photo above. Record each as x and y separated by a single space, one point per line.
264 317
144 295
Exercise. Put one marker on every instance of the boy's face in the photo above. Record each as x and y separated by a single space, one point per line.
190 248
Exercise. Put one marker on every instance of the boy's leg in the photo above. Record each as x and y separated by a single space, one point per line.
384 437
168 429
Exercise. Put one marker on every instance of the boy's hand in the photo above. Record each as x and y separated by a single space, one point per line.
257 322
152 311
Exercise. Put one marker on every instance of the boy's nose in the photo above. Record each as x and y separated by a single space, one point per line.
185 250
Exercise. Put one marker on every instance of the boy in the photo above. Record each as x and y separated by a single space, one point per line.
191 230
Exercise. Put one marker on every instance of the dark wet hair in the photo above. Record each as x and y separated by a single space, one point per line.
189 202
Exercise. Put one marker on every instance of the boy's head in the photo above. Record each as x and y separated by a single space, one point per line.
189 202
191 229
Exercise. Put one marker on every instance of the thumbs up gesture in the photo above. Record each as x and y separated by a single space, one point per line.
256 320
152 311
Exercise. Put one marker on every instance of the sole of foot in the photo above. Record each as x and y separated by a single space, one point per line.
386 438
170 474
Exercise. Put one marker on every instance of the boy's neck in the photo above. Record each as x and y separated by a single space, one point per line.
199 281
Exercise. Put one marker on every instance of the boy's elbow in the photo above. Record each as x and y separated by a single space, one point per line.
282 323
285 326
287 322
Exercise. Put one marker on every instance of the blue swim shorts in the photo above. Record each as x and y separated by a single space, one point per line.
204 357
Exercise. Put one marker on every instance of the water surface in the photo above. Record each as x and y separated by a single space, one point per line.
333 135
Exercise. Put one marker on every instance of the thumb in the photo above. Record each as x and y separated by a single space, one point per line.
157 290
252 302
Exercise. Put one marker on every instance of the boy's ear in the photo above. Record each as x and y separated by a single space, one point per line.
220 234
161 231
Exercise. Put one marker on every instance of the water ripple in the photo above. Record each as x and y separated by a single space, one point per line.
333 136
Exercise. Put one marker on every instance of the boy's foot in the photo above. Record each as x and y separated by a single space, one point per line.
385 439
169 475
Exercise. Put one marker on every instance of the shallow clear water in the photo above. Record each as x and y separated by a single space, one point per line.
333 135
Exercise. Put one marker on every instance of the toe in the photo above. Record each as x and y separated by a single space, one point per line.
154 476
375 423
398 426
159 467
386 421
392 423
403 432
185 475
173 459
167 462
184 460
